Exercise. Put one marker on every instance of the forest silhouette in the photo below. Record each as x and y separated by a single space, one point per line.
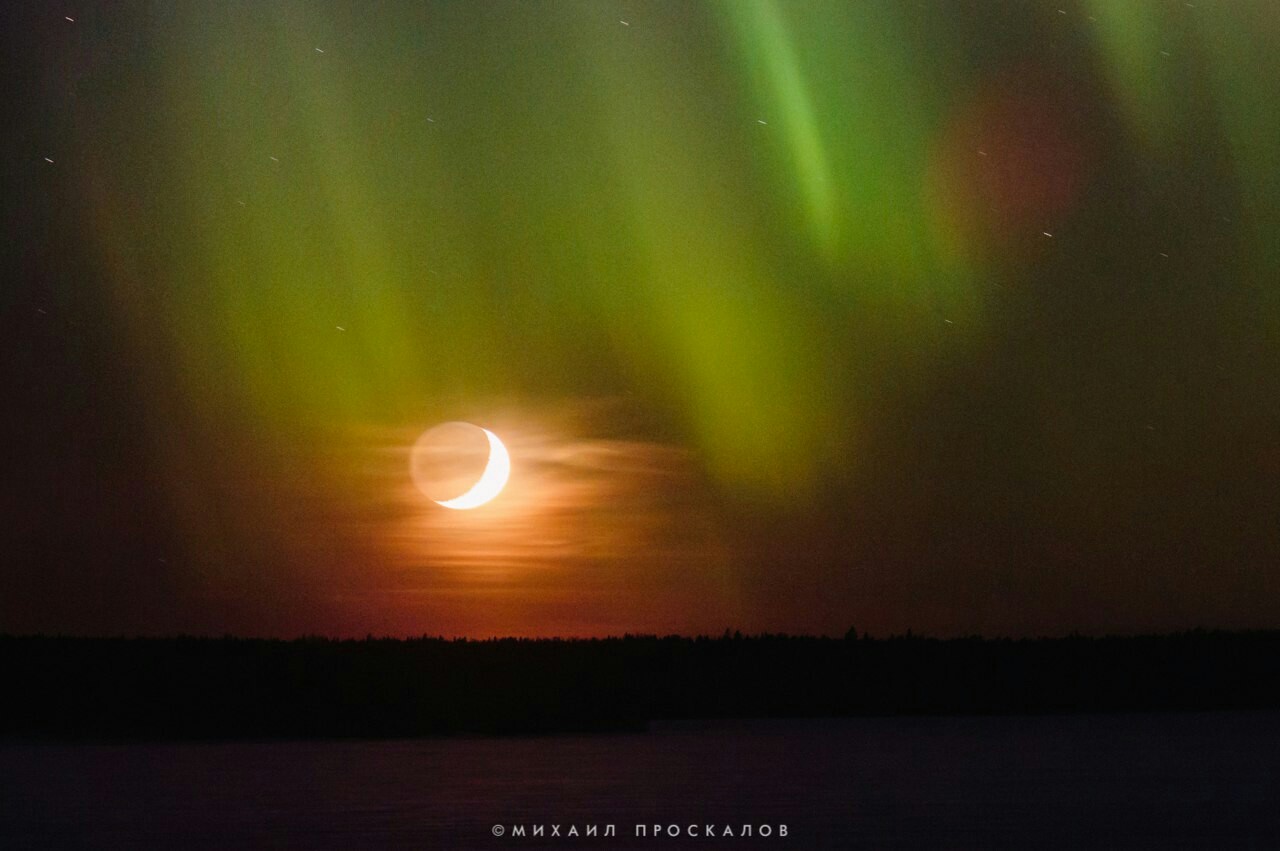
314 687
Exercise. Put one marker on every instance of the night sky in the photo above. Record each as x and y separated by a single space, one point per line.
956 317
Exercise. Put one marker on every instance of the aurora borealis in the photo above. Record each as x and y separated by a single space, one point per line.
958 317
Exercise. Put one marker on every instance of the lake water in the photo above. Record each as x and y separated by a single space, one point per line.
1209 780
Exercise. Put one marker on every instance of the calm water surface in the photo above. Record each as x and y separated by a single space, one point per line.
1122 781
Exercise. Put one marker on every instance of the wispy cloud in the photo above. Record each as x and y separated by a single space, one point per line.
622 526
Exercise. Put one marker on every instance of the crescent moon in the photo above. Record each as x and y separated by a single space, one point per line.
494 478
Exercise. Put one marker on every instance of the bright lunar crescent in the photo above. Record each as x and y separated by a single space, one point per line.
492 480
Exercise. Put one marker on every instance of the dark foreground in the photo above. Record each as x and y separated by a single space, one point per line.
1159 781
189 688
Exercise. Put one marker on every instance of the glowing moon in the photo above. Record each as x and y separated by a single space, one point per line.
492 480
446 465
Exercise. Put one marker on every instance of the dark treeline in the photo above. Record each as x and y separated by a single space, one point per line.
90 688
